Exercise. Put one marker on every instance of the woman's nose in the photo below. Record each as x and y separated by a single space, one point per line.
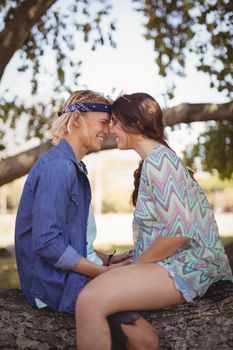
112 129
107 130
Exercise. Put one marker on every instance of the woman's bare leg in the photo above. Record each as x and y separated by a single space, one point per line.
134 287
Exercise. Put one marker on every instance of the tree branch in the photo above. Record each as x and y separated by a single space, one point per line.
204 324
188 113
20 164
17 29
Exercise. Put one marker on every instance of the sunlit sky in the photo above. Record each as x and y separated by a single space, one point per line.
129 67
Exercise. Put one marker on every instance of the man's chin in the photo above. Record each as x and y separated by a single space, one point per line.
95 148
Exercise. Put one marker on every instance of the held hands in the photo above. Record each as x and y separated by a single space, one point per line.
125 262
121 258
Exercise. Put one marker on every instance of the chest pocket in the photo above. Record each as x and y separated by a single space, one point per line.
72 208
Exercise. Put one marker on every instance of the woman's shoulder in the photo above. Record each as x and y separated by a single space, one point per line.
163 162
160 155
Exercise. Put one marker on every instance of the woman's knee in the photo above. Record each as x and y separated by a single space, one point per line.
84 300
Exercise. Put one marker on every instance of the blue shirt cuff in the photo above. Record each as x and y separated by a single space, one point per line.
68 259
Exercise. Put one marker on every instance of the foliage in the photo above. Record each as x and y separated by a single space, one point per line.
38 118
215 149
201 27
56 32
53 39
205 29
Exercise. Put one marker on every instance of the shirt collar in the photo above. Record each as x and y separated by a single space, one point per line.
67 149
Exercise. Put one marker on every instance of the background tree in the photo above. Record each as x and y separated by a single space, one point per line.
43 31
214 148
205 30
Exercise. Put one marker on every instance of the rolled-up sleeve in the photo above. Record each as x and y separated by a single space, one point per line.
51 201
69 258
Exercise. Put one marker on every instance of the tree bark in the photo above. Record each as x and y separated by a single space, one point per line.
188 113
20 164
13 36
201 325
229 253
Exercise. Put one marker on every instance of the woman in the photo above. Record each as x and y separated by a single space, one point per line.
55 227
178 253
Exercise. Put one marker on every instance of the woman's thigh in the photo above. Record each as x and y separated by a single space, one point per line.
133 287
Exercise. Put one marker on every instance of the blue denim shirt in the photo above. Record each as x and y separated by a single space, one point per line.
51 229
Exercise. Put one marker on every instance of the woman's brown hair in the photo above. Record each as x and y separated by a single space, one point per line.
140 113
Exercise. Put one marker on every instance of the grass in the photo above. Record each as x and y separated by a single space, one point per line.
9 275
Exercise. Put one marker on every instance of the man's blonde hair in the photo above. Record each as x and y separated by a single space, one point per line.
62 125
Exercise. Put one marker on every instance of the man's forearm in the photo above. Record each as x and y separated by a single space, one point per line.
91 269
88 268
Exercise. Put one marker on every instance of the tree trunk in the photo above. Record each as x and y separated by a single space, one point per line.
203 324
20 164
229 253
17 29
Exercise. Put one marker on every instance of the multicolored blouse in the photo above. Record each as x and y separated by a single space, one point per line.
171 203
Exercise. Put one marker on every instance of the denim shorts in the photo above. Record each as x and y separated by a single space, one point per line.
187 291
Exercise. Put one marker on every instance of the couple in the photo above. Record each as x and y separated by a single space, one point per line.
177 253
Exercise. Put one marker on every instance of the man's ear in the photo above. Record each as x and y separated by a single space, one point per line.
76 119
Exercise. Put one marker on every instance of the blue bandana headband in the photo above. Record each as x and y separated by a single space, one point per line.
86 107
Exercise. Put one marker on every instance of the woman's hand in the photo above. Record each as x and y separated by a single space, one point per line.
126 261
121 257
112 259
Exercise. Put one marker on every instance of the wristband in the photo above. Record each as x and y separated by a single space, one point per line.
110 257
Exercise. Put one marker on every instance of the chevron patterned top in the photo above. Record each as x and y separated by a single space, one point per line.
171 203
